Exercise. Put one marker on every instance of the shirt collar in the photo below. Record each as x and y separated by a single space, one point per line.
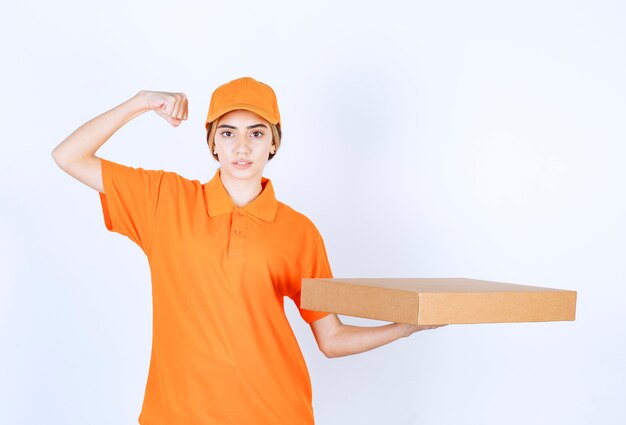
218 202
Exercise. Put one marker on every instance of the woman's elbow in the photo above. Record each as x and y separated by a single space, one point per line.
329 350
327 333
329 354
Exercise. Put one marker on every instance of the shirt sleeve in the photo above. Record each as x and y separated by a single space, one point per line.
130 200
315 265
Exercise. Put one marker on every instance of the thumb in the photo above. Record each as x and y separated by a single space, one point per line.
173 121
157 103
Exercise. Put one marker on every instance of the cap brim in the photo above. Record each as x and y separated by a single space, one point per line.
273 119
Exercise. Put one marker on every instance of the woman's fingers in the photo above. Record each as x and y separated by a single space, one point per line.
409 329
176 107
180 111
185 109
180 106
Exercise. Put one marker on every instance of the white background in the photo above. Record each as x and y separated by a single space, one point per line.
479 139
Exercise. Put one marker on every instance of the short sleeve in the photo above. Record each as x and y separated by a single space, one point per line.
130 200
314 265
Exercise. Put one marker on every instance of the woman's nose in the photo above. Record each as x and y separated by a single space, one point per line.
241 146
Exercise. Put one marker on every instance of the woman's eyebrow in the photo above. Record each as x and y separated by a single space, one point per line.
235 128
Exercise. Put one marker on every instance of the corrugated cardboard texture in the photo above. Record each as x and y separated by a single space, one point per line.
437 301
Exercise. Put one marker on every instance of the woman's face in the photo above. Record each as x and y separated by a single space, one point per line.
243 143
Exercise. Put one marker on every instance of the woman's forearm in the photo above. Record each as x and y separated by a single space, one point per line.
88 138
358 339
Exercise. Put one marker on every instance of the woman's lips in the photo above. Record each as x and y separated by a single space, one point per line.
242 164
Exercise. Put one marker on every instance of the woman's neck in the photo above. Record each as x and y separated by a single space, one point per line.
241 192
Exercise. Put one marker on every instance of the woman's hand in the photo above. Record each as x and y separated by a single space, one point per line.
408 330
171 106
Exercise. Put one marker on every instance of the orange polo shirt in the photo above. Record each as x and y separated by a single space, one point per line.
223 351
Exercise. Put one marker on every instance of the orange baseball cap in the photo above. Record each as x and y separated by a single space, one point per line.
244 93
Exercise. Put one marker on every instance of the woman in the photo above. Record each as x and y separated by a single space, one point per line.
223 255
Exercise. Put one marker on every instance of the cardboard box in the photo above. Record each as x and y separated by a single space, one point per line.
438 301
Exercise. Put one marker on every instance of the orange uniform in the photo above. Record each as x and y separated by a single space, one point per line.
223 351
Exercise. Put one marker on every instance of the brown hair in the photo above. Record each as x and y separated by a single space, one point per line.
212 129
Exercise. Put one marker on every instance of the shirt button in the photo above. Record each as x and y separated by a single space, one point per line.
237 232
240 214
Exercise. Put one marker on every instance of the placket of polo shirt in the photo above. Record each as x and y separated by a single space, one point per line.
238 234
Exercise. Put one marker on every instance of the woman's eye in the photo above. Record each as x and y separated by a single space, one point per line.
226 133
260 133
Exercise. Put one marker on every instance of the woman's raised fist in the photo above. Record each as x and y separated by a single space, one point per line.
171 106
